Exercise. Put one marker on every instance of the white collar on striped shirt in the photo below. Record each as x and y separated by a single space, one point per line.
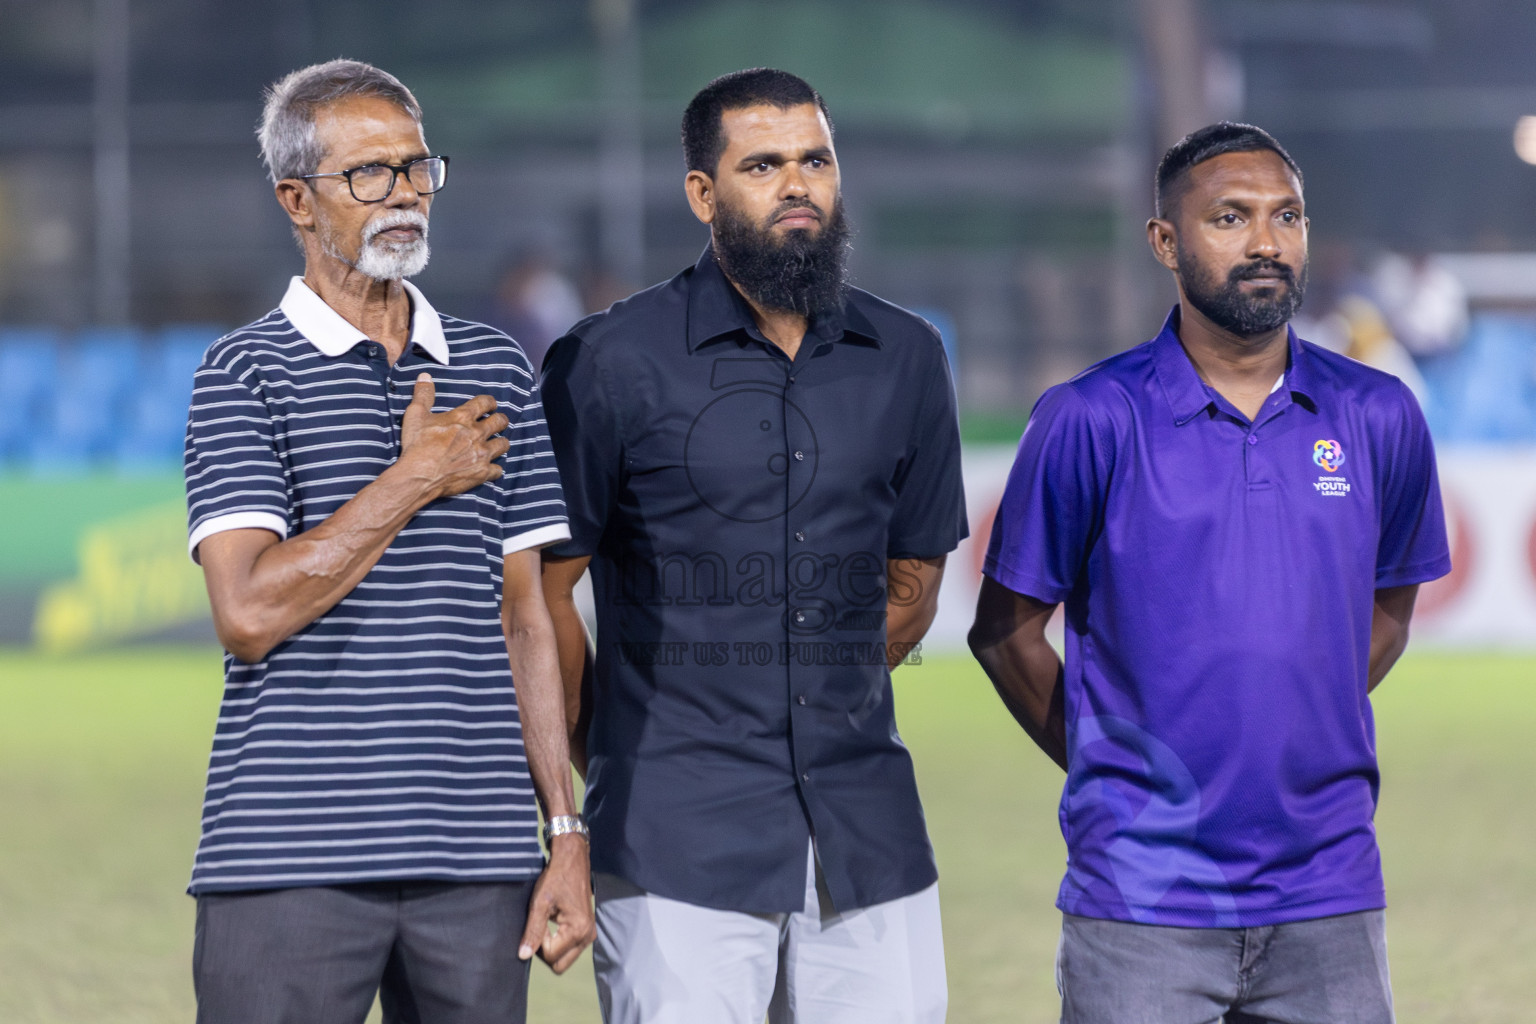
329 332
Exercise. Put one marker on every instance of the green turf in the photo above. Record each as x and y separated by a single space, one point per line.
1004 429
101 762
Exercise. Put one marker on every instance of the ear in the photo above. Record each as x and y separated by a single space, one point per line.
700 189
1164 239
297 201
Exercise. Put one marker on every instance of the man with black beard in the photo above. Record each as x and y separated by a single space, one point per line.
1237 522
761 466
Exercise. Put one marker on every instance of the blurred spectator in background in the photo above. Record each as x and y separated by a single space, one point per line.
1369 338
1424 304
1346 314
534 302
601 289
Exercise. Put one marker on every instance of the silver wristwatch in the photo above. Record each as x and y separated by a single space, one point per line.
563 824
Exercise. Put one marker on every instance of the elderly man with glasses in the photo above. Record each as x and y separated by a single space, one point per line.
368 487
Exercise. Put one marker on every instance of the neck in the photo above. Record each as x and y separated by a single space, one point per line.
784 328
380 309
1243 370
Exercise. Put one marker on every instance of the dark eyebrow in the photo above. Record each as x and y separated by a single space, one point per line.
773 157
1247 204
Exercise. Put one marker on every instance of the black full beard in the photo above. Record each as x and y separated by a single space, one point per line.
805 273
1226 306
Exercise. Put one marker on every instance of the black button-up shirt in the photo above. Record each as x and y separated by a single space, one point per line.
739 509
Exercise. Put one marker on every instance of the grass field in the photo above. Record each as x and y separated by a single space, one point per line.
101 763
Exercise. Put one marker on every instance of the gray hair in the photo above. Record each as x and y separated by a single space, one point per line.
287 131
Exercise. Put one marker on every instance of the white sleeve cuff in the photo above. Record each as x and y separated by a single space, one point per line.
542 537
235 521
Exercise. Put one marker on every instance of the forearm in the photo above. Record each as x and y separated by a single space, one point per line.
574 648
563 893
541 708
1028 677
576 657
1008 639
911 604
291 583
1390 617
904 630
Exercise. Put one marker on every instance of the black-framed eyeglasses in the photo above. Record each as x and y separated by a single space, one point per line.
372 183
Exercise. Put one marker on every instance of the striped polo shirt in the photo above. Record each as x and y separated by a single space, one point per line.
382 740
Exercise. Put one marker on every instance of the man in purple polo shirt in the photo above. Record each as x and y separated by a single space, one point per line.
1237 522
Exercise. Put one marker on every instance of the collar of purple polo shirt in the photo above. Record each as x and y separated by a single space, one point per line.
1188 395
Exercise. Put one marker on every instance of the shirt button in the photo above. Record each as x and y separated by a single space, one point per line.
805 776
392 387
373 351
799 535
800 700
1253 439
791 380
799 456
799 617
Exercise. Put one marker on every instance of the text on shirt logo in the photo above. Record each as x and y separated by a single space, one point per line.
1330 456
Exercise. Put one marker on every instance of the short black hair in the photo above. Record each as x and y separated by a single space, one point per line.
703 131
1206 144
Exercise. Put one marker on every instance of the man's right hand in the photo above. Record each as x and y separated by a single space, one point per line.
264 588
455 451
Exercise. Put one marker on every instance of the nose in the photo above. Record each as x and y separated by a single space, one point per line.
403 194
1264 242
794 182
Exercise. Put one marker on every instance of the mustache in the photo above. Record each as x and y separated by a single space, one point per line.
1262 268
795 204
395 219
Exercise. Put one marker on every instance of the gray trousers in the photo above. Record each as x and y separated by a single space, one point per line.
661 961
435 952
1329 970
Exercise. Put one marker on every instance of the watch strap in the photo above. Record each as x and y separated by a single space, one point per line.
565 824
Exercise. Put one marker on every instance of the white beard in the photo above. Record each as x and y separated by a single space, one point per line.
389 261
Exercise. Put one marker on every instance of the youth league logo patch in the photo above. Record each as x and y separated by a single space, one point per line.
1329 455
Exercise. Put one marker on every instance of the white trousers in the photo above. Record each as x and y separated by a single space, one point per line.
662 961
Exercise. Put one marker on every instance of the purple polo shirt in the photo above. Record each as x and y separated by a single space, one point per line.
1218 576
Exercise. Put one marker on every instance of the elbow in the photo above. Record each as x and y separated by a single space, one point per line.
244 637
526 624
979 641
247 649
